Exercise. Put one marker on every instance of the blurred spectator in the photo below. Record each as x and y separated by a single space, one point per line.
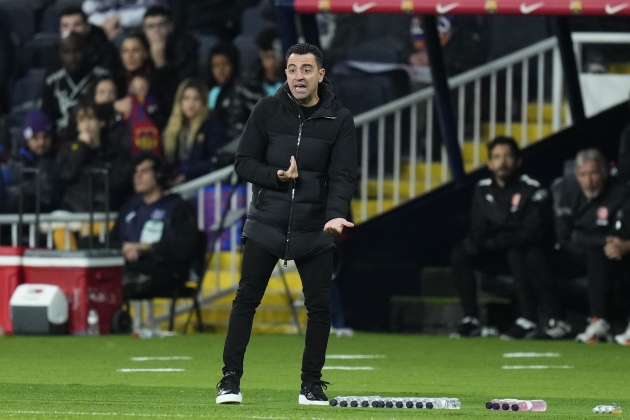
592 218
156 232
137 61
623 163
220 17
7 66
93 149
63 88
193 133
267 74
173 51
35 153
100 51
228 98
510 231
116 16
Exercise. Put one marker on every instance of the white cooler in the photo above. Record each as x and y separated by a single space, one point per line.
39 309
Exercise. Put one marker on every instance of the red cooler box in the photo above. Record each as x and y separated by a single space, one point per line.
89 279
10 278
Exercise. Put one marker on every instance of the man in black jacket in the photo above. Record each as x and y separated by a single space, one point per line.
293 215
592 220
157 233
510 226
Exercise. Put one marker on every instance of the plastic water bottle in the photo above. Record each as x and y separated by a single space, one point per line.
607 409
354 401
371 401
529 405
417 402
502 403
453 403
92 322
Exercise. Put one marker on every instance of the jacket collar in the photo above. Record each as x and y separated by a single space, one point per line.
329 103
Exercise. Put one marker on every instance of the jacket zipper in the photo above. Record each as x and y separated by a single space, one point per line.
297 153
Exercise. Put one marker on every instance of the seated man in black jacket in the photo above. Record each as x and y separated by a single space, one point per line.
510 226
156 232
592 217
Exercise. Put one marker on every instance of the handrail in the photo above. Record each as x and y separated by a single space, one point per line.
188 189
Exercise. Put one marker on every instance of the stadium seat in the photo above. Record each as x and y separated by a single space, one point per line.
21 16
360 93
50 20
248 51
253 21
27 89
42 50
384 50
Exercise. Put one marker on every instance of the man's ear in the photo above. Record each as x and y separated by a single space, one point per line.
322 72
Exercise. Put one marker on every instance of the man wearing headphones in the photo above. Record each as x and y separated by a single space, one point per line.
156 232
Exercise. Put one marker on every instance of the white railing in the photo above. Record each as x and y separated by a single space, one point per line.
486 102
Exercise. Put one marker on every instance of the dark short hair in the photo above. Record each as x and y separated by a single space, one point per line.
265 38
158 11
72 10
138 34
159 166
306 48
229 51
508 141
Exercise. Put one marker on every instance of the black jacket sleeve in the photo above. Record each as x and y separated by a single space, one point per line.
180 242
342 171
250 154
478 224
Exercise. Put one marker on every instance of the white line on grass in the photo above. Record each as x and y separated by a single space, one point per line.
536 367
118 414
149 358
529 354
151 370
354 356
348 368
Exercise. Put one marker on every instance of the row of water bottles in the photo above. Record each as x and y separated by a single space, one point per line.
507 404
376 401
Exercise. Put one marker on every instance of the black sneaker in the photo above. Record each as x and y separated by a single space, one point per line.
468 327
229 391
313 394
522 328
557 329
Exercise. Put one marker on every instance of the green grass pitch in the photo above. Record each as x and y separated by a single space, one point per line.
79 377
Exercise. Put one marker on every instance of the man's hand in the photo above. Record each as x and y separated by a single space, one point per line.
112 27
132 250
335 226
158 51
289 174
615 248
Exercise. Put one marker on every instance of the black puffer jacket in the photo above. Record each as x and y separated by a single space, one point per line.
325 149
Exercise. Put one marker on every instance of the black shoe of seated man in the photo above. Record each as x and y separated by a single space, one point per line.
557 330
229 391
468 327
313 394
522 328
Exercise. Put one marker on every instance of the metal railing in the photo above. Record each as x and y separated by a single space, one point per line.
399 141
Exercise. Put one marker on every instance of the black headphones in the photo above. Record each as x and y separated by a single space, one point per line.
159 166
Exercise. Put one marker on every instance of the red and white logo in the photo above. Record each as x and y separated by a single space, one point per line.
602 213
527 9
611 10
361 8
442 10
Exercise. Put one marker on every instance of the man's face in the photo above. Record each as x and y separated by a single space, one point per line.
144 178
40 143
73 23
157 27
133 54
303 78
591 178
268 61
221 68
503 163
72 58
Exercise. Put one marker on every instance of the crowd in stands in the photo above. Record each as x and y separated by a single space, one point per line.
123 78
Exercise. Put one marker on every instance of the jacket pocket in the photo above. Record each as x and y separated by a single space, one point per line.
258 197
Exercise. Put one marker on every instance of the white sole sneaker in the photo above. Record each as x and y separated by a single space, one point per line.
230 399
622 339
305 401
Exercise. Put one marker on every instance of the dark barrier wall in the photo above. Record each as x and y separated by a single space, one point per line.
383 257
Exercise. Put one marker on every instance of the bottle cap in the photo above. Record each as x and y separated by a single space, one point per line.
489 405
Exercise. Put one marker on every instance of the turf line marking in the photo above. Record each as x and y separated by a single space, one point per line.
118 414
529 354
148 358
536 367
151 370
348 368
354 356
